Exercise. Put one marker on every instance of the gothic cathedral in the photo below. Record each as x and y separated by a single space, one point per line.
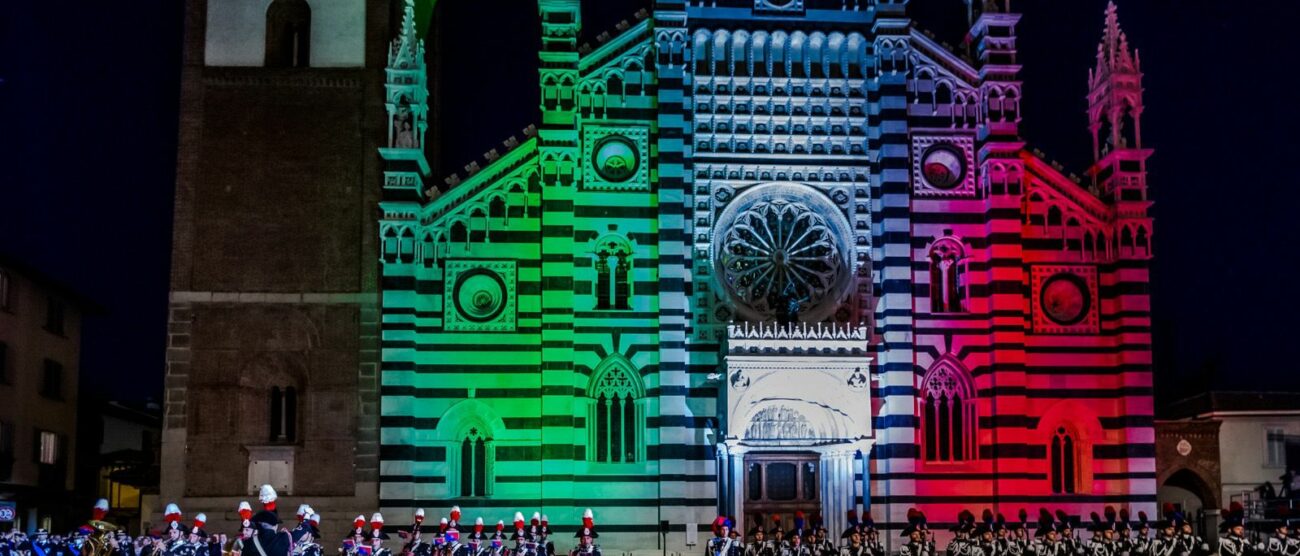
757 257
762 257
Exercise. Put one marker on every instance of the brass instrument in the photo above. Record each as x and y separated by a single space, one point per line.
96 544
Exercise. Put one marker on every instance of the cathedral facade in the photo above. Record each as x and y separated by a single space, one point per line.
762 257
759 258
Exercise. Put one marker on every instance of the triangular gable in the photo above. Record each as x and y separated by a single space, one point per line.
930 53
631 44
1049 184
506 174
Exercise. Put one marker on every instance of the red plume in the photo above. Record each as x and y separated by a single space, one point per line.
99 510
359 522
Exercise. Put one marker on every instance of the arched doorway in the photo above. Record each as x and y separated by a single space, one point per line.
1190 494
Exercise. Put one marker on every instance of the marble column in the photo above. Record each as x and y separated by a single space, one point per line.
837 489
738 486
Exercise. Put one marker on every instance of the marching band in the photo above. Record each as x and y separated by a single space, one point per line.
262 533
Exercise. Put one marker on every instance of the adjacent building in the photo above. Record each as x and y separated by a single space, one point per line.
1218 448
119 457
40 354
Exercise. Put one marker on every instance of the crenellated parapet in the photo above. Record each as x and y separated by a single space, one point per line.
820 338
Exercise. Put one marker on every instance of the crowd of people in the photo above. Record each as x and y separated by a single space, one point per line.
264 534
1051 534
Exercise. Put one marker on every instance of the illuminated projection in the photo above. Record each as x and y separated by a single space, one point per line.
767 257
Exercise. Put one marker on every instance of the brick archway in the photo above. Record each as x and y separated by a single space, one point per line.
1192 481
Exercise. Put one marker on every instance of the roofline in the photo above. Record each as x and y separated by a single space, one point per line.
87 305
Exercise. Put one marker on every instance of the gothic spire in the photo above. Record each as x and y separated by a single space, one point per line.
1113 53
408 48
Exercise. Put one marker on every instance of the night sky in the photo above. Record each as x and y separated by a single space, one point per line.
88 116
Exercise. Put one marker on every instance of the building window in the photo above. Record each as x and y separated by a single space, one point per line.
613 288
6 291
617 414
1063 456
54 315
52 380
48 448
476 455
948 415
6 450
947 277
284 414
1275 447
288 34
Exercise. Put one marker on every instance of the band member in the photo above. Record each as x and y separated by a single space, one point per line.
524 545
984 538
1281 544
871 537
822 545
1233 542
759 545
1103 540
1140 541
855 545
797 546
268 539
1019 544
1165 542
454 523
722 543
586 536
453 545
1191 544
961 542
779 545
920 540
308 532
545 547
415 544
1047 538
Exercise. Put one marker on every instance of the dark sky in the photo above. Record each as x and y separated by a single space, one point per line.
88 110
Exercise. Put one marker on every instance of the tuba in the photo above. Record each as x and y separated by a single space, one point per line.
95 543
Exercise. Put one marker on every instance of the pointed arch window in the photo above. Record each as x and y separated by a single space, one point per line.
6 288
284 414
288 34
948 416
613 264
948 277
1063 457
616 418
475 458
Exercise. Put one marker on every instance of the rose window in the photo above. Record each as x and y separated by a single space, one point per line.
780 247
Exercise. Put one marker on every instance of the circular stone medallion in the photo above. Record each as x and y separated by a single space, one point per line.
943 167
615 158
480 295
1065 299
